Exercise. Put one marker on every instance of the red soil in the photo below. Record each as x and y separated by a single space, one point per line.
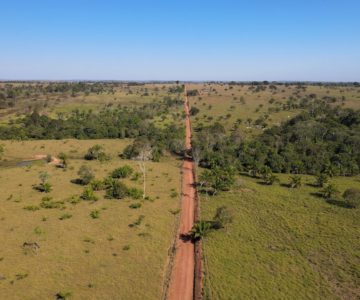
182 277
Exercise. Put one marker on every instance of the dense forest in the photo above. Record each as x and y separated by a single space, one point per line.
319 139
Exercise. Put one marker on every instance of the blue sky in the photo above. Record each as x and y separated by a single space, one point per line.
180 40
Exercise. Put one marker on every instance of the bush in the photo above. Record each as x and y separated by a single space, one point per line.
47 202
200 229
194 111
135 205
117 190
122 172
31 207
96 153
352 197
95 214
97 184
45 187
135 176
174 194
222 217
295 181
88 194
135 193
329 191
65 216
64 295
86 175
321 179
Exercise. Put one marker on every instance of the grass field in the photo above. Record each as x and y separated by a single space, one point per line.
283 244
91 258
226 104
63 103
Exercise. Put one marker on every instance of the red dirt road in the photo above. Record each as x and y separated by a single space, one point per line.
182 277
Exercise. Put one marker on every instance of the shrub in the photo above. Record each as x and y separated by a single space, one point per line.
222 217
329 191
45 187
108 182
200 229
97 184
86 175
96 152
64 160
117 190
95 214
321 179
88 194
65 216
31 207
135 193
2 150
47 202
174 194
135 205
126 248
135 176
63 295
352 197
138 221
295 181
122 172
48 158
194 111
43 176
74 199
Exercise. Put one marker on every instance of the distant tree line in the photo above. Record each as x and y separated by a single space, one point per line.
120 123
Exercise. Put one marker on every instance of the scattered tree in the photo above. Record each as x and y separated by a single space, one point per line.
352 197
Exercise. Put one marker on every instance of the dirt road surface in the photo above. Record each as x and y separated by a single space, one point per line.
182 277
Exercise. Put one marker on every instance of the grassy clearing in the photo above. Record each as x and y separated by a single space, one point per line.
118 254
283 244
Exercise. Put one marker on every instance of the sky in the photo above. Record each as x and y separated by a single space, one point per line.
307 40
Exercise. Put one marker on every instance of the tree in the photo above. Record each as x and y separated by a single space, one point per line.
295 181
321 179
44 186
329 191
217 179
96 152
86 175
44 177
196 155
199 229
194 111
144 153
267 175
271 179
352 197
